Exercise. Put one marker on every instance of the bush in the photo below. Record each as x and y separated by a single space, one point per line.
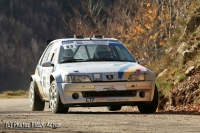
182 77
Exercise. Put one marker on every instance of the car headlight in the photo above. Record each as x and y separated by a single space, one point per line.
135 77
76 78
68 79
80 78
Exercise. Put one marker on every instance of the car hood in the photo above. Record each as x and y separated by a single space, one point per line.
120 70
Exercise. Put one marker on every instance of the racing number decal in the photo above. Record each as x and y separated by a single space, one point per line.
44 82
90 100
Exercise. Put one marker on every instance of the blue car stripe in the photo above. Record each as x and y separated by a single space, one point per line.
122 70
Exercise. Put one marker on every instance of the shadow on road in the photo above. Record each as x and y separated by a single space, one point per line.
138 113
47 113
103 112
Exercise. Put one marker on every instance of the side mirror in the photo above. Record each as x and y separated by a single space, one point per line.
142 62
46 64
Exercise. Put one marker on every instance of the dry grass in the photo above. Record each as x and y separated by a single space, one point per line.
14 94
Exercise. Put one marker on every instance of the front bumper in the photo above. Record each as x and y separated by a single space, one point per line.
133 93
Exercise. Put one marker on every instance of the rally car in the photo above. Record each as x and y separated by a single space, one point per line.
91 72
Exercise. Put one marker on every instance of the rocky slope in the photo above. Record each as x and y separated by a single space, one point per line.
179 73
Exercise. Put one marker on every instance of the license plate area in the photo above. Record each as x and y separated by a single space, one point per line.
110 88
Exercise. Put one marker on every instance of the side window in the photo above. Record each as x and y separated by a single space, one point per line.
52 56
61 54
47 52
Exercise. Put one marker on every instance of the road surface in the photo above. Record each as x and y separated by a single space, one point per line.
15 116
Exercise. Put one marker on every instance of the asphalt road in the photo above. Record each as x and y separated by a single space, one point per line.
15 116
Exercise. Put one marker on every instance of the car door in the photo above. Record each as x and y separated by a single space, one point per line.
46 71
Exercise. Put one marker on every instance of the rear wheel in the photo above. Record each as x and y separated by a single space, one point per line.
55 102
114 108
36 104
150 108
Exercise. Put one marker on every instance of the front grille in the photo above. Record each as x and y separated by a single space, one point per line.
87 94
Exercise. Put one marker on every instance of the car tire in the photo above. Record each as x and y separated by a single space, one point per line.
55 103
114 108
36 104
150 108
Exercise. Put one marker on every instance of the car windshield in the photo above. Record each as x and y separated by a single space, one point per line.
79 51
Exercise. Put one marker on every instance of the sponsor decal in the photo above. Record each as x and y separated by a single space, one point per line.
128 69
111 99
112 88
91 43
67 42
44 82
97 76
99 99
109 77
90 100
116 99
39 83
101 43
39 73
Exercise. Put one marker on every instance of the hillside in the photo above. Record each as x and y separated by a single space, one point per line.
178 72
24 28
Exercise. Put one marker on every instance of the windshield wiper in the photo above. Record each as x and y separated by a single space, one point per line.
71 60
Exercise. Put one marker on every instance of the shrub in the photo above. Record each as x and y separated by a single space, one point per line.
182 77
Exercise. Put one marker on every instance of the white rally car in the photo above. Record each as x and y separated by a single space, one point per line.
91 72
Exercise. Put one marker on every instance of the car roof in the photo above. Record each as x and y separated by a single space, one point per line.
83 39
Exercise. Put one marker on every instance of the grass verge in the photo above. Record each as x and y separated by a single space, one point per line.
14 94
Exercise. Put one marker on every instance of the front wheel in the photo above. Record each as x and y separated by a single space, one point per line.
55 102
150 108
36 104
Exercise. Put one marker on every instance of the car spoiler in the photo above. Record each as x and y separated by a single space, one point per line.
48 41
